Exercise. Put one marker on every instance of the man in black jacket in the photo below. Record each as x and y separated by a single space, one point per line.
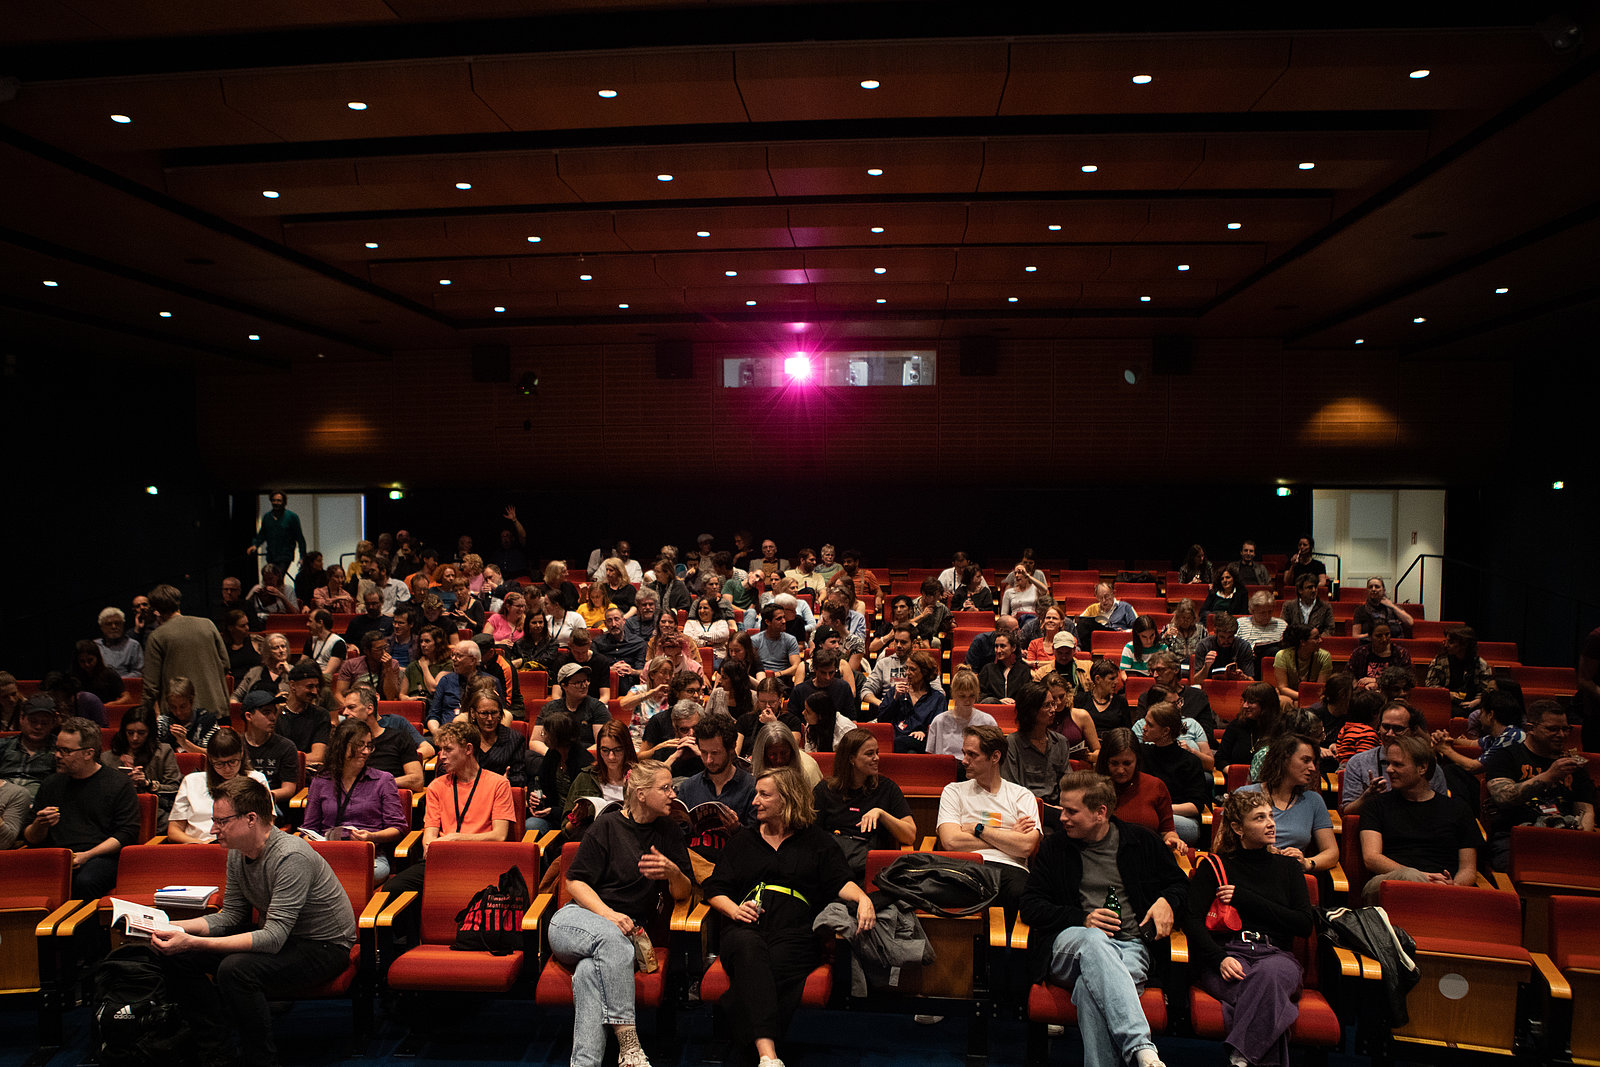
1093 892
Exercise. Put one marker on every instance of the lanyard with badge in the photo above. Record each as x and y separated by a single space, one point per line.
455 798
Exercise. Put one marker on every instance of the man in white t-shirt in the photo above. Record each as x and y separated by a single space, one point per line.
990 816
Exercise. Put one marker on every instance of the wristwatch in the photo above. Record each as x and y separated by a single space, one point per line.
977 830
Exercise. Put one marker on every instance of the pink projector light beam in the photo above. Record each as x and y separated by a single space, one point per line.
798 366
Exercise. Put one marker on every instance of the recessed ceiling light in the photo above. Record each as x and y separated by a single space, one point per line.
1502 291
870 83
1183 266
607 94
623 307
1088 168
1144 300
1011 300
1360 340
881 300
498 310
165 314
1420 319
372 244
356 105
463 186
586 277
321 356
444 281
1234 225
663 177
749 303
880 270
1030 270
121 120
1054 226
1418 75
1308 166
253 337
702 233
1558 485
1130 376
1141 79
875 172
730 274
534 240
270 194
51 284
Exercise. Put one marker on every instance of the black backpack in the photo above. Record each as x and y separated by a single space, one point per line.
946 885
136 1023
492 920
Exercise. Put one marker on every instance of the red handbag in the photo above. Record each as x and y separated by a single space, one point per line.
1221 916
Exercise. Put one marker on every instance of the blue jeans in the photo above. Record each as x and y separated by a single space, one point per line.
1105 976
601 958
1189 829
380 869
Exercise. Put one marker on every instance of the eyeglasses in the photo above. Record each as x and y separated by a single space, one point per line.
610 750
366 746
221 763
220 821
70 751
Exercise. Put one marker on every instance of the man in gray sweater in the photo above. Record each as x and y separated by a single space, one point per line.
304 938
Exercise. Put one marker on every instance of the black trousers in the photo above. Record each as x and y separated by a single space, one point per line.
226 995
767 975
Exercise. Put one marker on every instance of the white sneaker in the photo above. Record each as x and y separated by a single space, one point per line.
1237 1060
636 1058
1054 1030
928 1020
1148 1057
770 1061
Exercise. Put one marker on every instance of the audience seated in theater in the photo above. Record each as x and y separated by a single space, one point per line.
1379 606
897 614
766 705
271 673
607 776
351 799
90 674
991 815
1077 941
10 702
149 764
1002 679
1023 588
1251 570
1195 568
866 581
622 643
1063 662
243 647
668 588
1364 774
1103 700
1413 833
1359 731
465 802
1041 654
1259 629
775 747
144 621
302 719
233 595
182 725
670 735
1188 733
1308 609
226 758
1304 564
271 596
1256 975
1144 643
860 807
332 596
1184 632
830 638
28 758
804 574
1037 755
399 749
120 652
510 624
916 701
1068 720
648 698
372 619
948 727
1377 654
221 967
270 753
1461 670
1228 596
769 563
574 701
1165 669
980 651
1106 613
582 652
1541 781
1499 724
626 861
537 649
722 781
1301 659
1142 799
767 945
930 619
1223 654
430 664
972 592
466 659
706 626
669 641
822 727
1259 708
373 667
84 807
1289 778
1188 781
184 646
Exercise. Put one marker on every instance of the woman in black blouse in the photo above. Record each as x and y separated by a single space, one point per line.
769 886
1229 595
1105 705
860 807
1253 970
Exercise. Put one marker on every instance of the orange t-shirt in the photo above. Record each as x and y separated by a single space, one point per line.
479 806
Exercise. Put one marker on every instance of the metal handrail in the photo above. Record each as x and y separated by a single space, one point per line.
1338 565
1522 583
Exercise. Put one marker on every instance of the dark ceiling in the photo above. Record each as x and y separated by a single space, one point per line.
1281 179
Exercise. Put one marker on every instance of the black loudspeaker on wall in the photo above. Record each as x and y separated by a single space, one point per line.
674 359
491 363
979 358
1171 354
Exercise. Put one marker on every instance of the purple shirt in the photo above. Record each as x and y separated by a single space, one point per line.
374 803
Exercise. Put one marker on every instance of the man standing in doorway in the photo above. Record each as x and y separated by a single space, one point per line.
280 534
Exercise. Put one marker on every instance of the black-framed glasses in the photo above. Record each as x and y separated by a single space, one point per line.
219 821
70 751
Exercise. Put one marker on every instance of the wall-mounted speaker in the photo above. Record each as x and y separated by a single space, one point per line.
979 358
1171 354
491 363
674 359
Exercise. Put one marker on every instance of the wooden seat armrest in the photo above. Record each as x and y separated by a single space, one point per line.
928 844
1349 963
299 799
409 843
1559 986
1338 822
548 838
159 839
1340 880
683 912
393 909
1371 969
692 922
1218 779
47 925
537 913
90 910
431 766
1496 880
1179 946
369 914
1019 933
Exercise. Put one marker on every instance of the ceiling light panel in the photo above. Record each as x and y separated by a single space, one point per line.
401 99
793 83
557 92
